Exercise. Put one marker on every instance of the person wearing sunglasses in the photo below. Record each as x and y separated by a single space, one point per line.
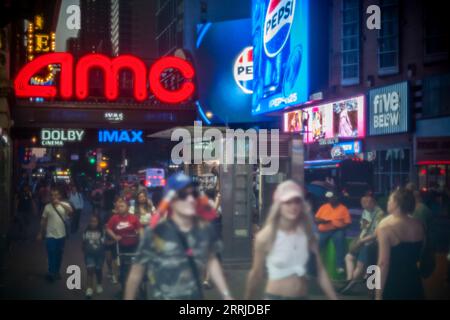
175 253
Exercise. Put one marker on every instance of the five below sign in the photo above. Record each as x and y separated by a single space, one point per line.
120 136
110 68
57 137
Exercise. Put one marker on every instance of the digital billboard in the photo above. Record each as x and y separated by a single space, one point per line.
289 52
389 109
224 71
343 119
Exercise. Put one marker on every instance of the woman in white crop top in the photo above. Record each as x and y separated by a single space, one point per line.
284 246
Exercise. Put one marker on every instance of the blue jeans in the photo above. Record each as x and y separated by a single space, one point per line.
55 250
338 237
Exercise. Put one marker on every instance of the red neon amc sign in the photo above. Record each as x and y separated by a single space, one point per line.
110 68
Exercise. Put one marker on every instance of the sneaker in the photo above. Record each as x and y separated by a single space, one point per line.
114 280
99 289
89 293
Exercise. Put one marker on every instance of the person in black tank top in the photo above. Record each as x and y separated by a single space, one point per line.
401 239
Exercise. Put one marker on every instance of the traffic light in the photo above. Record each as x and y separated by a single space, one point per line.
92 160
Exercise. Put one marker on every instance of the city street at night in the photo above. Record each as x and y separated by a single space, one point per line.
216 151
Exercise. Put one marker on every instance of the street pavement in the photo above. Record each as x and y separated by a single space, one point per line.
26 267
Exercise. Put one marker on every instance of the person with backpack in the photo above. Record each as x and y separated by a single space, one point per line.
54 228
176 251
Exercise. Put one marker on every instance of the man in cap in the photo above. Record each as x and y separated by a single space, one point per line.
175 252
332 218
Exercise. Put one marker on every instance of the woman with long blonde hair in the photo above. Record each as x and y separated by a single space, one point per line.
286 245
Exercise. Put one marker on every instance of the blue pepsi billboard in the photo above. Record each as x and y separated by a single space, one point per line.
224 69
286 67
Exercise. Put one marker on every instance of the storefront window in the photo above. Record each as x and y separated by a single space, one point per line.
388 38
434 176
350 42
392 169
436 96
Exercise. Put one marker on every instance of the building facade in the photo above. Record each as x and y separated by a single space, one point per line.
407 59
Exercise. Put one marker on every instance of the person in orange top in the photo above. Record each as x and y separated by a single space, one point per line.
332 219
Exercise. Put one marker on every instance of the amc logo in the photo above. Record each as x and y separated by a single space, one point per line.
110 68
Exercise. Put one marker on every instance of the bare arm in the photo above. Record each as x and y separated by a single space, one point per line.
134 280
323 279
256 273
368 238
67 208
112 234
217 276
217 202
42 228
384 252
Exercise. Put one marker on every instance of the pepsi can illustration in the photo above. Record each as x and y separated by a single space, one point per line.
280 33
278 21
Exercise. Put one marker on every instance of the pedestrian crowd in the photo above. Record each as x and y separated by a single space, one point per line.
172 250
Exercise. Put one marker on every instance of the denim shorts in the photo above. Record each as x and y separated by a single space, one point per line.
269 296
94 260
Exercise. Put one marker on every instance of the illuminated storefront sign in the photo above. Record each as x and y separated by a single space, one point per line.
58 137
348 148
120 136
39 43
243 70
111 68
114 116
389 109
340 119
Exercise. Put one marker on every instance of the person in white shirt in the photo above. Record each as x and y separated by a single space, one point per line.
76 199
53 228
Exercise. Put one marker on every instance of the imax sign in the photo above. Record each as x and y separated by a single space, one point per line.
120 136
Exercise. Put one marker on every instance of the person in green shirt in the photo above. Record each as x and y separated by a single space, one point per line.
359 257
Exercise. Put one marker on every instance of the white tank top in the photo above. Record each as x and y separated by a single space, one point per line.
289 255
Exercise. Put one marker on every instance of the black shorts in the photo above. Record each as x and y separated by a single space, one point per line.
111 248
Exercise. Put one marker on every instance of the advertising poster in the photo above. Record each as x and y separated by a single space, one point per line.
280 54
344 119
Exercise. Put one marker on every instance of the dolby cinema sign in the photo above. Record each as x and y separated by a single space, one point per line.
59 137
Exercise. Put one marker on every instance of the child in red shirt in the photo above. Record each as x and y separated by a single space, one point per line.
125 229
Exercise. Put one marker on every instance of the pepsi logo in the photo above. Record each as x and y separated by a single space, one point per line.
243 70
277 25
